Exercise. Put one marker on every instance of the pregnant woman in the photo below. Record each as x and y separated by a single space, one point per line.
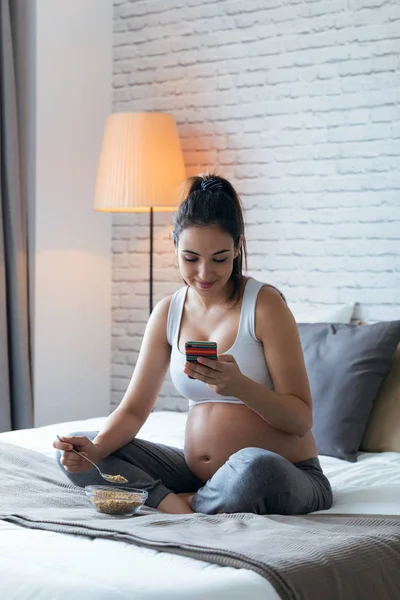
248 442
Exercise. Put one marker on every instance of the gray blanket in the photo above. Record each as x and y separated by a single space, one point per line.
313 557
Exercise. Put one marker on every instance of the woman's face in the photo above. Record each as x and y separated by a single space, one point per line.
205 258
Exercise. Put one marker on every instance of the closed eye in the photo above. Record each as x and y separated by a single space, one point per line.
192 260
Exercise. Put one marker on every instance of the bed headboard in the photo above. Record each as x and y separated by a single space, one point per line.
382 433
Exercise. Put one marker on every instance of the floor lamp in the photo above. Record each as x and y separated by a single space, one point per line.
140 168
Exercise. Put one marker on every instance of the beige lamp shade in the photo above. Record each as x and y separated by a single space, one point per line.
141 164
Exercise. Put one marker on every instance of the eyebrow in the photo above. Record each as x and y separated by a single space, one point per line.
214 254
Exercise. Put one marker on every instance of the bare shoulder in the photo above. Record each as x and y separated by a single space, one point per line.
270 299
272 312
163 305
159 317
269 293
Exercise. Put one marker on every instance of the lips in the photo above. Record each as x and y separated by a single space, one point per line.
205 284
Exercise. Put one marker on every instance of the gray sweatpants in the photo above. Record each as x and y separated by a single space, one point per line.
252 480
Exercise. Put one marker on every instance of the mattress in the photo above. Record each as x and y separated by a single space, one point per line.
42 565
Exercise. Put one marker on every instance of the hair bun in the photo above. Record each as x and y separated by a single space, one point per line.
211 184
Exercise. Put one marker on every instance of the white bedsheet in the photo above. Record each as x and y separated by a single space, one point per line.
42 565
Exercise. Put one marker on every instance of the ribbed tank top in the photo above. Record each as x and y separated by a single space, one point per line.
247 350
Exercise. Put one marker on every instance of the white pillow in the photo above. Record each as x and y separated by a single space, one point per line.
329 314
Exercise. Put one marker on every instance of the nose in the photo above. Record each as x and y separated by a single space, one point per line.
204 271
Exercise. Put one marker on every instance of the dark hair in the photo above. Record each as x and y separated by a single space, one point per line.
212 200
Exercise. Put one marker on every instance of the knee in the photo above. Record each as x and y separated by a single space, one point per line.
251 473
89 434
257 465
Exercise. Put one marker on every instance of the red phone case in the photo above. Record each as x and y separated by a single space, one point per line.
197 349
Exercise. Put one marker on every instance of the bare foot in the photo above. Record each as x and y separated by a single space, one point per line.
187 496
173 504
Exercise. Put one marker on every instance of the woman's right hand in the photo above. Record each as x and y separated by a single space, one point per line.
71 461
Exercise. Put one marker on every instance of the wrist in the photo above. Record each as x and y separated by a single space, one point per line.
242 388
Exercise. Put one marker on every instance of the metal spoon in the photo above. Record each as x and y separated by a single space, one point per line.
112 478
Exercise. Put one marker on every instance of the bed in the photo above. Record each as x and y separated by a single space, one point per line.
43 565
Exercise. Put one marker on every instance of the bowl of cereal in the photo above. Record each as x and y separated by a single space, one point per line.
113 500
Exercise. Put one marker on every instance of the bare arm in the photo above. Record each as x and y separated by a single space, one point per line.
288 406
126 420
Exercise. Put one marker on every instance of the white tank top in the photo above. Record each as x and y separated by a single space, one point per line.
247 350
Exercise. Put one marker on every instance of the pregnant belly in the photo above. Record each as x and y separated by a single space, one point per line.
215 430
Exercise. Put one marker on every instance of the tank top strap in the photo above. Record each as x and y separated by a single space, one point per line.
175 315
248 311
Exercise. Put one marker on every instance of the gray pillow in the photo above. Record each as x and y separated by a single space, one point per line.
346 365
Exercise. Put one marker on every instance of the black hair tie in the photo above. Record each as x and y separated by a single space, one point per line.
211 185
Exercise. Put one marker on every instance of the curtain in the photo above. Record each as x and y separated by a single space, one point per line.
16 402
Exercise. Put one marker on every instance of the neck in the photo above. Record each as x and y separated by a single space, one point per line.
207 303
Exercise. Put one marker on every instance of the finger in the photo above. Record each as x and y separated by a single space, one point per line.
62 445
194 369
201 368
210 363
69 462
73 468
205 377
188 372
70 459
226 358
76 440
72 455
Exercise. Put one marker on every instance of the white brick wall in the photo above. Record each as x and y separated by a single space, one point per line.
295 101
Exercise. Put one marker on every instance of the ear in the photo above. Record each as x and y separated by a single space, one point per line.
238 248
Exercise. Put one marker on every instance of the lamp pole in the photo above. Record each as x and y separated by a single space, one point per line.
151 261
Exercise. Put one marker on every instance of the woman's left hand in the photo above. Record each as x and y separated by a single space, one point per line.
223 376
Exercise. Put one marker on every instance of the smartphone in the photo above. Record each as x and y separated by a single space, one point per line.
195 350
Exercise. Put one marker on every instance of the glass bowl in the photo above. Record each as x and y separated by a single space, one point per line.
114 500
